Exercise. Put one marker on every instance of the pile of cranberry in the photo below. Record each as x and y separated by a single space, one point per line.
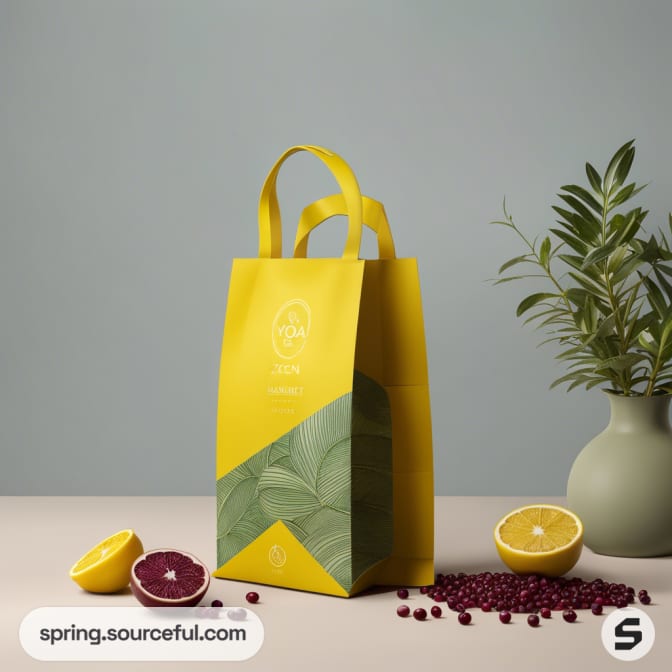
510 594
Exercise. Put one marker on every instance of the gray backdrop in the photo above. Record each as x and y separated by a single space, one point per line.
134 139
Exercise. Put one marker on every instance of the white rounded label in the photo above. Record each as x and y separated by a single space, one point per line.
628 633
139 633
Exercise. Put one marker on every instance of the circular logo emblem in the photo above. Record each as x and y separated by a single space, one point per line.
277 556
291 328
628 634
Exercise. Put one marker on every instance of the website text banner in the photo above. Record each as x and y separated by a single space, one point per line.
140 633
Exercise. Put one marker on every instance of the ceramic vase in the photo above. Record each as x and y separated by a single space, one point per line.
620 484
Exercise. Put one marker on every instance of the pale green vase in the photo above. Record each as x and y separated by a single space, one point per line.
621 483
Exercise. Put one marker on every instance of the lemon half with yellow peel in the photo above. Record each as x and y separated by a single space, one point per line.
540 539
106 568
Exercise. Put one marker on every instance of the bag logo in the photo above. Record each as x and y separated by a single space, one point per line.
291 328
277 556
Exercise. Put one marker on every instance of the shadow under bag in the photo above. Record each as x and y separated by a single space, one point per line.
324 447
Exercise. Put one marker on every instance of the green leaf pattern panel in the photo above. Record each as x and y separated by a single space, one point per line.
337 461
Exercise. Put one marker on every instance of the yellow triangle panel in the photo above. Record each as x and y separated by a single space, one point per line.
276 557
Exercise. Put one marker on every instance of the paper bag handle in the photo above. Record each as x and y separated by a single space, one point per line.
270 227
374 217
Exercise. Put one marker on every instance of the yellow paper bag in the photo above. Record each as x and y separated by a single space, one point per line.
324 452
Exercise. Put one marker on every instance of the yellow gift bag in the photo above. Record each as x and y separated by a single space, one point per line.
324 449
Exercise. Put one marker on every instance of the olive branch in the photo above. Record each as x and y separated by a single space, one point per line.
608 304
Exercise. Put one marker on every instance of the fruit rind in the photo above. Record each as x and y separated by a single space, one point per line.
112 572
555 562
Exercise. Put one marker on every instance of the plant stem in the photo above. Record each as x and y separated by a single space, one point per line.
625 377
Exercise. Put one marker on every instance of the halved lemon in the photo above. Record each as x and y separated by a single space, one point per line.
539 539
106 568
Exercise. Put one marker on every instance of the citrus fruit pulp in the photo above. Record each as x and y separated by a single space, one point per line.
106 568
166 577
539 539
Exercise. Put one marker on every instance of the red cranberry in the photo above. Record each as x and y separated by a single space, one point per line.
419 614
436 611
645 599
505 616
533 620
569 615
596 608
464 617
216 603
503 591
252 597
402 594
545 612
403 610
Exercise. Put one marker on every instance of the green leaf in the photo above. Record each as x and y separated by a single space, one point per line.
651 251
647 344
625 194
588 230
575 261
609 181
628 267
621 362
575 243
606 327
577 296
580 374
544 251
570 353
637 324
664 283
667 330
616 258
516 260
629 226
581 209
532 300
664 269
594 179
623 168
554 312
509 278
656 298
596 255
589 316
585 196
590 285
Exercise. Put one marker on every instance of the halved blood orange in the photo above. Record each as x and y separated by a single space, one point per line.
166 577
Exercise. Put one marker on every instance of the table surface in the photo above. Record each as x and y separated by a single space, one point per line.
44 536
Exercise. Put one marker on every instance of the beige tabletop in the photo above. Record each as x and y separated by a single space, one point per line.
43 536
